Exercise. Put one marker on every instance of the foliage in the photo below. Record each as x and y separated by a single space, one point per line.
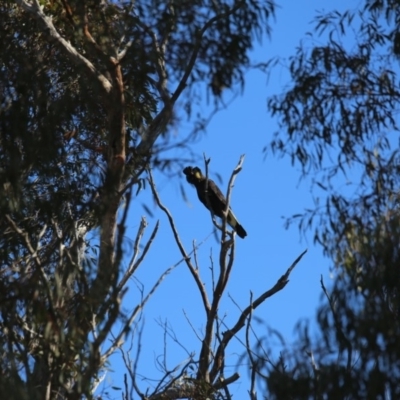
339 122
88 96
340 114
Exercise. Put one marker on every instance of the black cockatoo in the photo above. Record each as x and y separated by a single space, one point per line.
216 201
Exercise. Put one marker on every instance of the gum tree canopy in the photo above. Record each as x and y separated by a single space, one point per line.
89 90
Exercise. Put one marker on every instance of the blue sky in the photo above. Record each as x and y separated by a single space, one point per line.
266 190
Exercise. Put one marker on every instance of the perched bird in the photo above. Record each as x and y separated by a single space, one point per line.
212 197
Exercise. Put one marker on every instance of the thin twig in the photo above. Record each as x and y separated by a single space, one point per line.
133 266
253 365
338 326
191 325
118 340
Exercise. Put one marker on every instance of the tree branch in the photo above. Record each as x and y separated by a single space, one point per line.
161 120
227 250
186 257
339 329
35 9
229 334
134 264
118 341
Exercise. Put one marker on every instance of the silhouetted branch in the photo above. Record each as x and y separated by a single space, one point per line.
229 334
194 271
253 364
134 262
118 341
160 121
338 326
227 250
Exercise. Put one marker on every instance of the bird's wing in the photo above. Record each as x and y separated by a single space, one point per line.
219 205
216 198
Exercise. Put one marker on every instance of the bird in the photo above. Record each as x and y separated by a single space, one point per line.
212 197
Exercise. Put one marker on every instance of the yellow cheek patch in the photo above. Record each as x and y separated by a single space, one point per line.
198 175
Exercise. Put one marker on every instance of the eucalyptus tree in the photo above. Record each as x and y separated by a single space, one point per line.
89 93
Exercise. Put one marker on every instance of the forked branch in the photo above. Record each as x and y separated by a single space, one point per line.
229 334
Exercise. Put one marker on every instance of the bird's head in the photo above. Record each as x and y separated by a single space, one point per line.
193 174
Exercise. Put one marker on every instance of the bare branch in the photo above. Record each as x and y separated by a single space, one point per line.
194 271
118 341
134 265
35 256
26 239
226 381
313 363
133 369
206 163
253 365
206 350
227 250
88 35
232 179
229 334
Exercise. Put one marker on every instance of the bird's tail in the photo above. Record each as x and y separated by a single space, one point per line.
240 231
233 222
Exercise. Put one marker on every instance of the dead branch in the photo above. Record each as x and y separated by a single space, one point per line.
194 271
253 365
229 334
227 251
134 262
118 341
